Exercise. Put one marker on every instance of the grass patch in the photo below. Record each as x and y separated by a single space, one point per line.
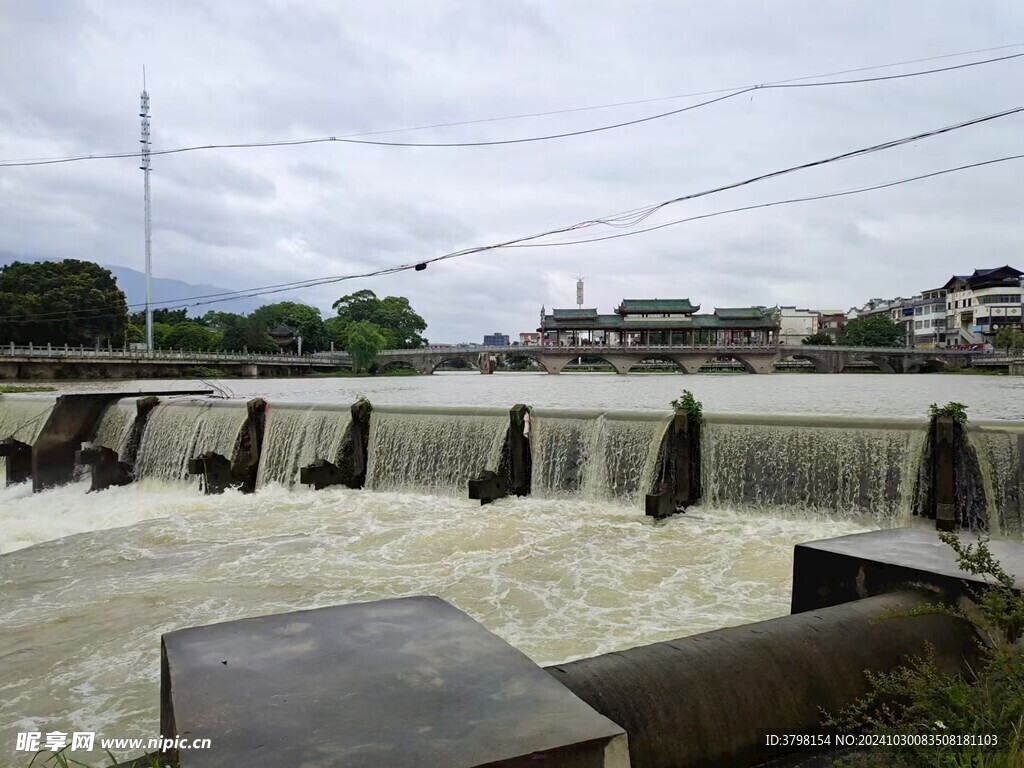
10 389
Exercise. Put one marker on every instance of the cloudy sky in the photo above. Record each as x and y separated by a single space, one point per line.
259 70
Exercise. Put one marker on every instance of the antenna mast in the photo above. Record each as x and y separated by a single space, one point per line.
579 290
144 114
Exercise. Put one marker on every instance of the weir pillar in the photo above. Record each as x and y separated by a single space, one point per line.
679 485
18 457
351 469
944 474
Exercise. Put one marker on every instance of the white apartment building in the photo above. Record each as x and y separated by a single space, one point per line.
979 304
928 320
795 324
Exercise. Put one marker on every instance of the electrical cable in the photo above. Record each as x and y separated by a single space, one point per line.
637 216
502 142
790 201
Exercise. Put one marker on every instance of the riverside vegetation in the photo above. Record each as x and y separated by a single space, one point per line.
919 699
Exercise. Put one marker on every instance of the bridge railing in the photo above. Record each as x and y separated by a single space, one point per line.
64 352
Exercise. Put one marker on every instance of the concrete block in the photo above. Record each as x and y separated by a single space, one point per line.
834 571
407 683
488 487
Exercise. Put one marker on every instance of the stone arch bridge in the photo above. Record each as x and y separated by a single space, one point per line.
755 359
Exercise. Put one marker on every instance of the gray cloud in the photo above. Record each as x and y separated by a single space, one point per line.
71 73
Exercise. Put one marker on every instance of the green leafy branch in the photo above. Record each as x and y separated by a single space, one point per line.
952 410
690 405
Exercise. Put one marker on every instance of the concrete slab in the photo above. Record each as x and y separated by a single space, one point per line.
412 682
834 571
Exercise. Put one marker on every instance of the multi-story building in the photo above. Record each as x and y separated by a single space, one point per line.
660 322
929 318
832 323
797 324
496 340
530 339
979 304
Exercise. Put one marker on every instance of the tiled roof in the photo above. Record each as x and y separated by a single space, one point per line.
575 314
664 306
738 312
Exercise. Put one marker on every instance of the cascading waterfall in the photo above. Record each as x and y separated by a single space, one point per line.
114 429
599 455
182 429
806 464
23 416
433 449
999 447
297 434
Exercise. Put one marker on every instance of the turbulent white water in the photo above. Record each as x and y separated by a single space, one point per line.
22 416
828 466
435 450
179 430
559 579
597 455
295 435
573 570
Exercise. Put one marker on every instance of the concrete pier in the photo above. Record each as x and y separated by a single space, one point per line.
407 683
835 571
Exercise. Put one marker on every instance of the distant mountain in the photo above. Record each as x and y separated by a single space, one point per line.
178 292
133 283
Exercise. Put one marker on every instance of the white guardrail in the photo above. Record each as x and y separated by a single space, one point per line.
66 352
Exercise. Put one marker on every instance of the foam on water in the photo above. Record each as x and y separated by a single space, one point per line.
433 450
294 436
559 579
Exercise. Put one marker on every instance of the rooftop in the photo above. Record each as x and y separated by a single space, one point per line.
658 306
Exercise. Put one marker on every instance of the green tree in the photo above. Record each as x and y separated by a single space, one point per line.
874 331
191 337
365 340
302 318
1009 339
134 334
161 315
393 315
61 302
820 339
241 333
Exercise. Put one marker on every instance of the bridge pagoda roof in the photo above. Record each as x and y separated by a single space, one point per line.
590 320
656 306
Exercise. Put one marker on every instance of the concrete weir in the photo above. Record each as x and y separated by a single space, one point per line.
72 421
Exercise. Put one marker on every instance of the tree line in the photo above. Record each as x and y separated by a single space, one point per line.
79 303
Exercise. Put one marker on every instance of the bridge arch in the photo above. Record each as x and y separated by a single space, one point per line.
927 365
666 360
820 364
403 363
506 358
760 364
469 359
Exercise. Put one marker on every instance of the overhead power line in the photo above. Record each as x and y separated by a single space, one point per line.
505 142
633 217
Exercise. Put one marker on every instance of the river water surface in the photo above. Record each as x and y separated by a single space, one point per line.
89 582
